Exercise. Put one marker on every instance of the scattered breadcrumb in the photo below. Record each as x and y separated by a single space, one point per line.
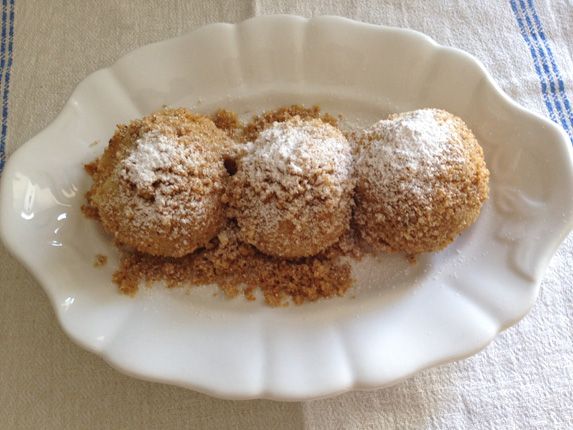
100 260
237 267
230 123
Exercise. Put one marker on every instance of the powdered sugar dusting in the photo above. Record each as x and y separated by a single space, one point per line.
168 177
421 181
408 151
158 186
297 147
158 165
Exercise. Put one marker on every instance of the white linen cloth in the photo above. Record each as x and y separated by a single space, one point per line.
523 380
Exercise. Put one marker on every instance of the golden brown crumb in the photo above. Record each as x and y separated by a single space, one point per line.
260 122
238 267
228 122
91 168
87 208
89 211
100 260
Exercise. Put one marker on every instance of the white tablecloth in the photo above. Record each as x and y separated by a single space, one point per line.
523 380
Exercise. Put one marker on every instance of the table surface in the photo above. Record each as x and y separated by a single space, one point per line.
524 379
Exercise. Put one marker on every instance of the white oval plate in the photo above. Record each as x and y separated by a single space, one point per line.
398 318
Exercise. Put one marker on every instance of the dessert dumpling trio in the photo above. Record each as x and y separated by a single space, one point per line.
409 183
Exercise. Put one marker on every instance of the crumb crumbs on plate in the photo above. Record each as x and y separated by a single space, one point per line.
240 266
100 260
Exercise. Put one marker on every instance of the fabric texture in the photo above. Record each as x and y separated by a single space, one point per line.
523 380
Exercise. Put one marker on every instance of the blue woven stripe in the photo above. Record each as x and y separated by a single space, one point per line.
6 48
3 41
554 67
552 86
545 66
7 84
2 68
542 79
